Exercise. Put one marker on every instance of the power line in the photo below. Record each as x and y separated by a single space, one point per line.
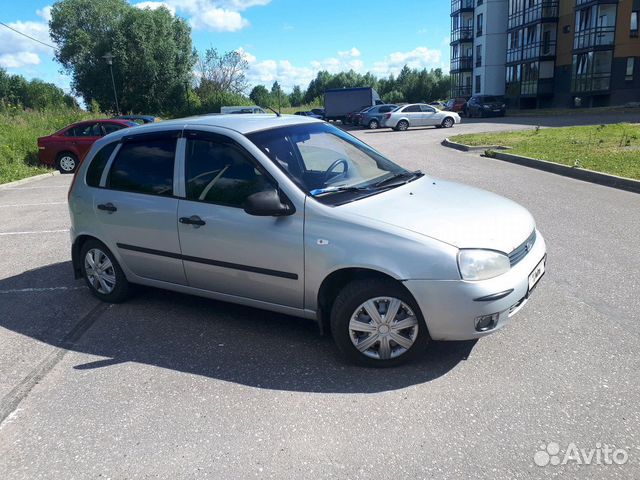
25 35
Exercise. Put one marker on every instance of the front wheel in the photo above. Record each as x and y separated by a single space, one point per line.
448 122
376 323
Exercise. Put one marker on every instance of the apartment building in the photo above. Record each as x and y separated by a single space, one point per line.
565 52
478 46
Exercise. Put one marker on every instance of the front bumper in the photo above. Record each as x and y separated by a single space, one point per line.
450 307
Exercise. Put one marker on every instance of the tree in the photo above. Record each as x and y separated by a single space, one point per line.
152 51
222 73
295 97
278 97
260 96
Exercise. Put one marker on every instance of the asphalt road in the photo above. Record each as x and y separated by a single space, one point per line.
172 386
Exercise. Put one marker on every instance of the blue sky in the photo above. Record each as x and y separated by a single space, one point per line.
284 40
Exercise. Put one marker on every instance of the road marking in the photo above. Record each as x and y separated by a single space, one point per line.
32 204
37 290
10 402
33 232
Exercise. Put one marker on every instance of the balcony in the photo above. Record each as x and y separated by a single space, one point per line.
532 51
461 63
461 91
591 82
580 3
458 6
530 88
546 11
594 37
462 34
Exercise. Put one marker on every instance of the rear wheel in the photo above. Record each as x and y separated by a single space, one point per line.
376 323
67 163
373 124
102 273
402 125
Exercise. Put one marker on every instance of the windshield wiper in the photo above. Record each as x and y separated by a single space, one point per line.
387 182
323 191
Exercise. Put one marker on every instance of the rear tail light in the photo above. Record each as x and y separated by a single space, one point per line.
388 115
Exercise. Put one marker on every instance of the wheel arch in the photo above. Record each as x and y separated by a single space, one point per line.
76 248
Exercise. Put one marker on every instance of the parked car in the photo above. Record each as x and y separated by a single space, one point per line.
438 105
309 114
486 106
319 111
419 115
66 148
372 117
293 215
241 109
350 116
139 119
357 117
456 104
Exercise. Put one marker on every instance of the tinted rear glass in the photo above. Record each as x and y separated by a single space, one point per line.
144 167
94 172
489 99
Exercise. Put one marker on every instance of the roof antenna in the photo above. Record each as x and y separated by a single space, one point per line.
277 114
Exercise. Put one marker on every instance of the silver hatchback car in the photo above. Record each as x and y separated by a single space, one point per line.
293 215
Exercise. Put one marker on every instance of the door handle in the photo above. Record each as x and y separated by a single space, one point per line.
107 207
192 220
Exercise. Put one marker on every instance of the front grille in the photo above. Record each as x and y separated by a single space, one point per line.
520 252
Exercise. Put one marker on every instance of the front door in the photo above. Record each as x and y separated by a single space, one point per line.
224 249
429 116
136 209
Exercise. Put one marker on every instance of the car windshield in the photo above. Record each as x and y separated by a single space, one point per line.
327 163
490 99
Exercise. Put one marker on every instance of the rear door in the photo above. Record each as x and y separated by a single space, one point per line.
136 207
83 136
226 250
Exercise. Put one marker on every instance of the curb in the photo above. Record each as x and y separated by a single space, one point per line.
466 148
29 179
591 176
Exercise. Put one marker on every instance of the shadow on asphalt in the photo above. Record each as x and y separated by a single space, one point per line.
215 339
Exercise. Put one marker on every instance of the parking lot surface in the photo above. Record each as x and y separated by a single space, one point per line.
173 386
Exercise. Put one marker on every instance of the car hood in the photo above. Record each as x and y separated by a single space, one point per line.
459 215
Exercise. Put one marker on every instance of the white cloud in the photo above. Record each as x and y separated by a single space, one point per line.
156 5
17 51
354 52
216 15
420 57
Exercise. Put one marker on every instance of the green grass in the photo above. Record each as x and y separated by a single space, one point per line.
19 131
613 149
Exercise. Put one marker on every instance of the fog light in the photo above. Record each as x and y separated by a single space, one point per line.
486 322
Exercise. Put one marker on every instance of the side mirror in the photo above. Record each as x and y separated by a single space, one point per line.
267 204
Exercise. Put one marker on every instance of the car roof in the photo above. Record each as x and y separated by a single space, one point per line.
244 124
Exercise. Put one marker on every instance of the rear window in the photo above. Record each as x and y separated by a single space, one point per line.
100 159
144 167
412 108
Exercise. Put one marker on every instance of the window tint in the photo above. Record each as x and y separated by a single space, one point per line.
94 172
412 108
144 167
427 109
111 127
219 171
85 130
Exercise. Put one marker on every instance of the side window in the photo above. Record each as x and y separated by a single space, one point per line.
111 127
412 108
86 130
427 109
100 159
144 166
220 171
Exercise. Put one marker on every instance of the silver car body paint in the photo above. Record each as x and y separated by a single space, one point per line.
412 233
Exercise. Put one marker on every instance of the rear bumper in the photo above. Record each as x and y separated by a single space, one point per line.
450 307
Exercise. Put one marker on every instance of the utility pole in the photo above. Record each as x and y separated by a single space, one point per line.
109 58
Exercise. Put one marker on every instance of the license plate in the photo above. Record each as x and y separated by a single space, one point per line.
536 274
496 110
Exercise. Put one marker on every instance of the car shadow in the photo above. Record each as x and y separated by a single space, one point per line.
208 338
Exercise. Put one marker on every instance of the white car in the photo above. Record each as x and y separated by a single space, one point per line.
419 115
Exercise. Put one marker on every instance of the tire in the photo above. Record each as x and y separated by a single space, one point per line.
373 125
448 122
67 162
119 285
402 125
350 327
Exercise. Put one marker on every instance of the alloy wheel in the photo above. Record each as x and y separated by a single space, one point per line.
383 328
67 163
448 122
100 271
373 124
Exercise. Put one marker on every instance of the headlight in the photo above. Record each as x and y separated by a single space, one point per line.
482 264
486 106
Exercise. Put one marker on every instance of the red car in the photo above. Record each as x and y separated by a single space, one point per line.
65 149
457 104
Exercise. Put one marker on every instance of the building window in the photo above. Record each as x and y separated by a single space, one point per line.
480 2
629 72
633 31
479 25
478 84
478 55
592 71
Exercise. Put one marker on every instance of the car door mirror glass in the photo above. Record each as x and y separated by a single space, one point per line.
267 203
